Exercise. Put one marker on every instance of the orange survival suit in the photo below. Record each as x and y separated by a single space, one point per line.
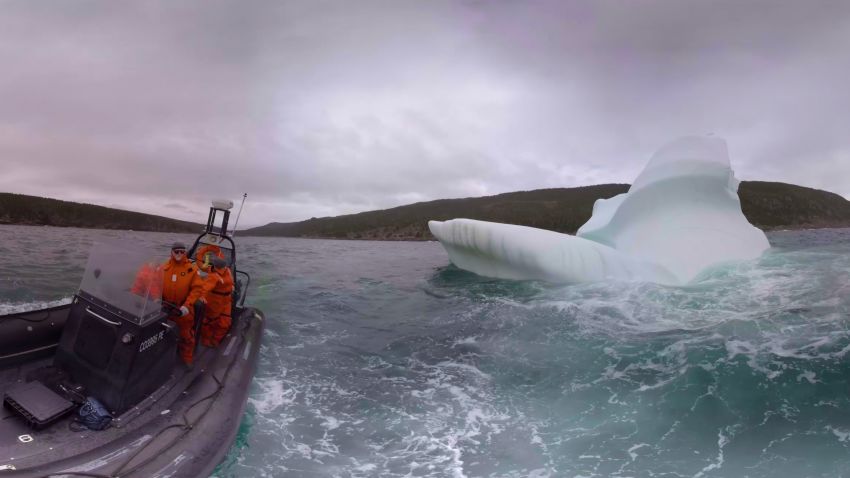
218 290
182 286
148 282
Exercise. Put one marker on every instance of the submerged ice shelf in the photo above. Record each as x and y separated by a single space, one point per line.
680 216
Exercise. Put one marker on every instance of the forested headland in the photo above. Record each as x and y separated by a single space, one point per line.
38 211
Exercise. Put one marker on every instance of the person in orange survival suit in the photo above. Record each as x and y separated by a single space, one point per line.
148 282
218 288
205 254
182 286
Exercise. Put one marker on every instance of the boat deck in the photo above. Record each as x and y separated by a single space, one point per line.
182 429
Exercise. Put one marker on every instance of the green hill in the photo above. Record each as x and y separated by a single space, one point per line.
38 211
766 205
786 206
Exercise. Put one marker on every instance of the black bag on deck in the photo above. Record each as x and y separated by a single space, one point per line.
93 415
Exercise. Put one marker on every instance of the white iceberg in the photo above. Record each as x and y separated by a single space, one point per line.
681 216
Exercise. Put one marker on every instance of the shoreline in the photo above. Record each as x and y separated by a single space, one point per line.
803 227
791 227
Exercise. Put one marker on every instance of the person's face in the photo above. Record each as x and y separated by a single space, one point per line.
178 254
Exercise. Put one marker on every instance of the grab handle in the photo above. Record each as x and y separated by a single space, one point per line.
102 318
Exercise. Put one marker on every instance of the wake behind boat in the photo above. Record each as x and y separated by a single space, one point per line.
120 348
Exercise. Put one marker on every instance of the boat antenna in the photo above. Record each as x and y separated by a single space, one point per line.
232 234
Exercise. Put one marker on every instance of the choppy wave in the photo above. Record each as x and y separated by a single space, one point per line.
382 360
742 373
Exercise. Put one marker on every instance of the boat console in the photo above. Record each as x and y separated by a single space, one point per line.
118 342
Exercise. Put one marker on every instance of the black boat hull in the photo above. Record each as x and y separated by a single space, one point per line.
184 429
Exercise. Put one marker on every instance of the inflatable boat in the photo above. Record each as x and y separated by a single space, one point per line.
111 354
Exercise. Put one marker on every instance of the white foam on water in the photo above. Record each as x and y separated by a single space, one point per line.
722 441
809 376
304 450
17 308
540 473
842 435
274 395
466 340
632 451
462 417
746 292
364 470
325 446
738 347
767 312
330 423
467 368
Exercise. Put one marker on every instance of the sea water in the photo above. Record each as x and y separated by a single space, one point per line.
381 359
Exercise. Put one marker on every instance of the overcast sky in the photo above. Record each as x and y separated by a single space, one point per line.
318 108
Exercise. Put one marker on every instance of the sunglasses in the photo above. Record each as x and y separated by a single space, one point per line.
178 251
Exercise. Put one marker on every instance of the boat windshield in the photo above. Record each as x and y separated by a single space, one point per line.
125 275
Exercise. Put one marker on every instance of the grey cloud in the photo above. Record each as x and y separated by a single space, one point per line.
174 205
319 108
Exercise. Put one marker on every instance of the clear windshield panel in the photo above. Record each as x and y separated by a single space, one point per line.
125 275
